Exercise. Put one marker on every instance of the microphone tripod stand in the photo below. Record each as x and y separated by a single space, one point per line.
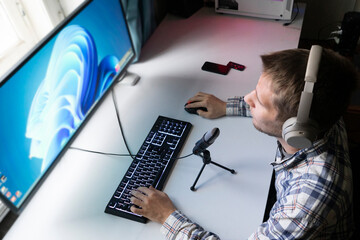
207 160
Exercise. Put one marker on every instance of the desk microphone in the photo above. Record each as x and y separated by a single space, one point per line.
208 139
200 147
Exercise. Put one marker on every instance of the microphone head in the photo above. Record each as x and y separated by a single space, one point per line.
210 136
208 139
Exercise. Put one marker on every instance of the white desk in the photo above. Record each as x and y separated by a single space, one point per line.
71 202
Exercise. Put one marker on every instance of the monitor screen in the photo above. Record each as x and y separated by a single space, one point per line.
48 96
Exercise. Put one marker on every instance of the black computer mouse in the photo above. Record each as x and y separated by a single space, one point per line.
193 110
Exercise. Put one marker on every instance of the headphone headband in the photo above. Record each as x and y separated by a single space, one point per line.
312 69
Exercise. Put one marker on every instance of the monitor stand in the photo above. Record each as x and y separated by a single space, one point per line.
129 79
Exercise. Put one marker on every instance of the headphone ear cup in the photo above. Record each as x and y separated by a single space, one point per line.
288 127
299 135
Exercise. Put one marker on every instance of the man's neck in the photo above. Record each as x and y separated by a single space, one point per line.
287 148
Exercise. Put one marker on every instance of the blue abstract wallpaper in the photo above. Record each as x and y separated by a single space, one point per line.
73 82
43 104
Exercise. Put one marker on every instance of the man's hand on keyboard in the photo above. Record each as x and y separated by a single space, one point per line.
154 204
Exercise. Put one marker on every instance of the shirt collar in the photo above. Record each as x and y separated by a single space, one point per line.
283 160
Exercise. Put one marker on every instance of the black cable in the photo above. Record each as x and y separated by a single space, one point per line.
118 154
122 132
120 125
103 153
183 156
292 20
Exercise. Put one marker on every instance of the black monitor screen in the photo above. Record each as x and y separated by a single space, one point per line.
48 96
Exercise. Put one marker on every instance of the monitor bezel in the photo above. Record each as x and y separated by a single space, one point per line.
92 110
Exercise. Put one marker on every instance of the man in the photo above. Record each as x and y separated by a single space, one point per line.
313 184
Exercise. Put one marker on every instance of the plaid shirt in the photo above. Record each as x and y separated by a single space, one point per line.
236 106
314 192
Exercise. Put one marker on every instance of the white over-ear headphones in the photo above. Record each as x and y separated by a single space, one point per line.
301 131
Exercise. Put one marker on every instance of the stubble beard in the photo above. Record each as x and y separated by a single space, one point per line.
273 130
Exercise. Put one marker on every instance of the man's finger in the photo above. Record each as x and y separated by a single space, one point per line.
201 113
145 190
138 194
136 201
137 210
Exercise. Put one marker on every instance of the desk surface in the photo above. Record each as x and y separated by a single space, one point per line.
70 204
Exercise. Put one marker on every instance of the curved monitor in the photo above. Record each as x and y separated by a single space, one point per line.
49 95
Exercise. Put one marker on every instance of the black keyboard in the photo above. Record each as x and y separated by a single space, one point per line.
151 165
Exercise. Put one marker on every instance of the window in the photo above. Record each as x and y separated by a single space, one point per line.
24 23
9 39
17 35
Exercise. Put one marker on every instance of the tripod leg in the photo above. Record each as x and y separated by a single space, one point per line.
228 169
192 188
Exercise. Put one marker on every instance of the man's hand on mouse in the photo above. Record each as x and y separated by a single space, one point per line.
215 107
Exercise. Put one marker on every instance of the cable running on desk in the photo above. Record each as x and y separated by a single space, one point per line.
119 154
129 154
122 131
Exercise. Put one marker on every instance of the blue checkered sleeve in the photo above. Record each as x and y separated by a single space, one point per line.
177 226
236 106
